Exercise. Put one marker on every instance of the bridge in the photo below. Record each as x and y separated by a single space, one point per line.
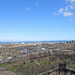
61 70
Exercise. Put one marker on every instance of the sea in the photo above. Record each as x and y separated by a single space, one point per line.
10 42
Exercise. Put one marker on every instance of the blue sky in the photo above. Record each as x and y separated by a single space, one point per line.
37 20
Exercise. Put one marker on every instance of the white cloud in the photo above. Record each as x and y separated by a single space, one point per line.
72 19
55 13
61 10
72 6
71 1
27 8
66 8
37 3
9 38
67 14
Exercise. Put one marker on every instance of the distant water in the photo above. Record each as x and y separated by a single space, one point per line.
33 41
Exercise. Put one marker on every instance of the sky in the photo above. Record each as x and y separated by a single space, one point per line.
37 20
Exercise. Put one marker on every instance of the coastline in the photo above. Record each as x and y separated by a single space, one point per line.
19 42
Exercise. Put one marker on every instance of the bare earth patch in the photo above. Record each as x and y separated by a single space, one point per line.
7 73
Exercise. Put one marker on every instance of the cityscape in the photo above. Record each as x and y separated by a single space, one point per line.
37 37
17 52
41 56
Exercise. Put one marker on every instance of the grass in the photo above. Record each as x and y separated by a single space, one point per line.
42 61
25 65
53 62
7 68
3 65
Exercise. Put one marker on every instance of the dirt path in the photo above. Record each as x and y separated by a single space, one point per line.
3 72
7 73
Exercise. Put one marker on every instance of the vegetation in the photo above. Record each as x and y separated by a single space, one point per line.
34 67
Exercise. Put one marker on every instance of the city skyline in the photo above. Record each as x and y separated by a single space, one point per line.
37 20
